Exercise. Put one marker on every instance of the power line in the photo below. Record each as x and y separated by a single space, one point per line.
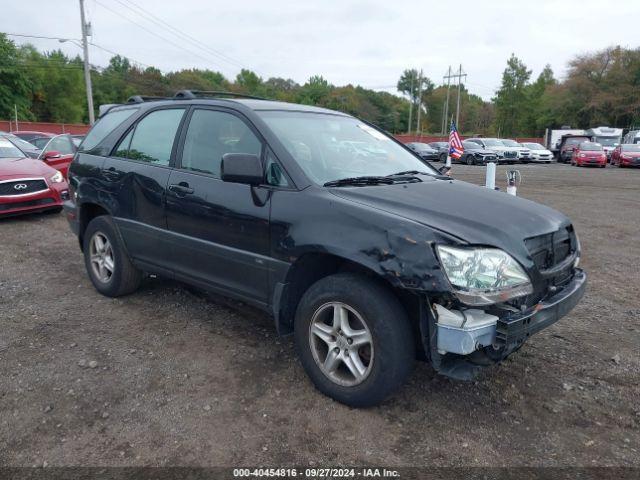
119 54
194 41
62 39
151 32
37 36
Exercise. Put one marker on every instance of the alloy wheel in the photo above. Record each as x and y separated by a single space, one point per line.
101 257
341 344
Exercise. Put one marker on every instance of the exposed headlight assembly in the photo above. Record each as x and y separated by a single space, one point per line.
57 178
483 276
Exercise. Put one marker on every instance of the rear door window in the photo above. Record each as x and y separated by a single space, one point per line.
152 139
105 126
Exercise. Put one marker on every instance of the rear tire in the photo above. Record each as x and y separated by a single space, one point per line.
106 259
326 347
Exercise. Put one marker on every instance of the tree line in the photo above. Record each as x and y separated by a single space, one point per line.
599 88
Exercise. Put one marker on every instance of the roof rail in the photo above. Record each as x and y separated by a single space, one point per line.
145 98
190 94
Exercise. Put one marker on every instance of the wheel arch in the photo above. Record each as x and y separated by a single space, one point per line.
313 266
86 212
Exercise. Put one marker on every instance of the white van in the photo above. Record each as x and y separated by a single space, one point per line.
632 137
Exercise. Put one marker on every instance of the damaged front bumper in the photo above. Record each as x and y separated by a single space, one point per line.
513 329
454 349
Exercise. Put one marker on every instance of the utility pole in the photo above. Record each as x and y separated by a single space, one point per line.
419 100
460 75
445 109
87 71
410 105
448 77
15 110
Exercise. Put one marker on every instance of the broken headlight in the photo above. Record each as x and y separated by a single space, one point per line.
483 276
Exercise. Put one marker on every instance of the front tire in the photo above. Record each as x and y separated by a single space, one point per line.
106 260
354 339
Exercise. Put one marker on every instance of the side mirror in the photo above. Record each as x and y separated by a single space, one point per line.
444 170
241 168
51 155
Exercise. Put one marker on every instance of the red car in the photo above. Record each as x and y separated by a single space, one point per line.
57 150
28 185
589 153
626 155
29 135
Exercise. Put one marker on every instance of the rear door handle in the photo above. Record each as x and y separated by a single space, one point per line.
181 188
111 174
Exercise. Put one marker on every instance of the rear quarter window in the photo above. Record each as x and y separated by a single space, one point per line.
105 126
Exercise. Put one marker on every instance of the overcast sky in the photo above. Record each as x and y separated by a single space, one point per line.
366 43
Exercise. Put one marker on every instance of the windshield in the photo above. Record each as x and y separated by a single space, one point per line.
631 148
492 142
608 141
22 144
534 146
591 147
574 141
510 143
41 142
9 150
332 147
421 147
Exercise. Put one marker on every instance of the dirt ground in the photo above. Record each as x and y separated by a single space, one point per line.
170 376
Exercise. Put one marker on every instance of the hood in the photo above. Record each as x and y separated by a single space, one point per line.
480 150
24 167
473 214
502 149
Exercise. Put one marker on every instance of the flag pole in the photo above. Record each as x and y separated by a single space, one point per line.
448 164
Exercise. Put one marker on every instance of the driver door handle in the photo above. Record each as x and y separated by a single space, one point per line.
181 188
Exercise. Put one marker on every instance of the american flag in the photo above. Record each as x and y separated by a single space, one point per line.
455 145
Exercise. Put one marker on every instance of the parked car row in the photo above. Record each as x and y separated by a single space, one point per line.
33 171
595 154
478 151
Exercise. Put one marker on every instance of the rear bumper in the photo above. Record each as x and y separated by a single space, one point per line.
515 329
71 212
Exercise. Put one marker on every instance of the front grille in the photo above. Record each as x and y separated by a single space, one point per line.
513 154
21 187
549 250
32 203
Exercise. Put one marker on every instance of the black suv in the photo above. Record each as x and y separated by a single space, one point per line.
371 259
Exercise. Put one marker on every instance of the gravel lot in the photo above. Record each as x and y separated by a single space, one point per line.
171 376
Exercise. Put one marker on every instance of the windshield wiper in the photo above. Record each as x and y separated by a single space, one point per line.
408 172
364 180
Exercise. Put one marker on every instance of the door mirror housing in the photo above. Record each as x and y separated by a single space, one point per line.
51 155
241 168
